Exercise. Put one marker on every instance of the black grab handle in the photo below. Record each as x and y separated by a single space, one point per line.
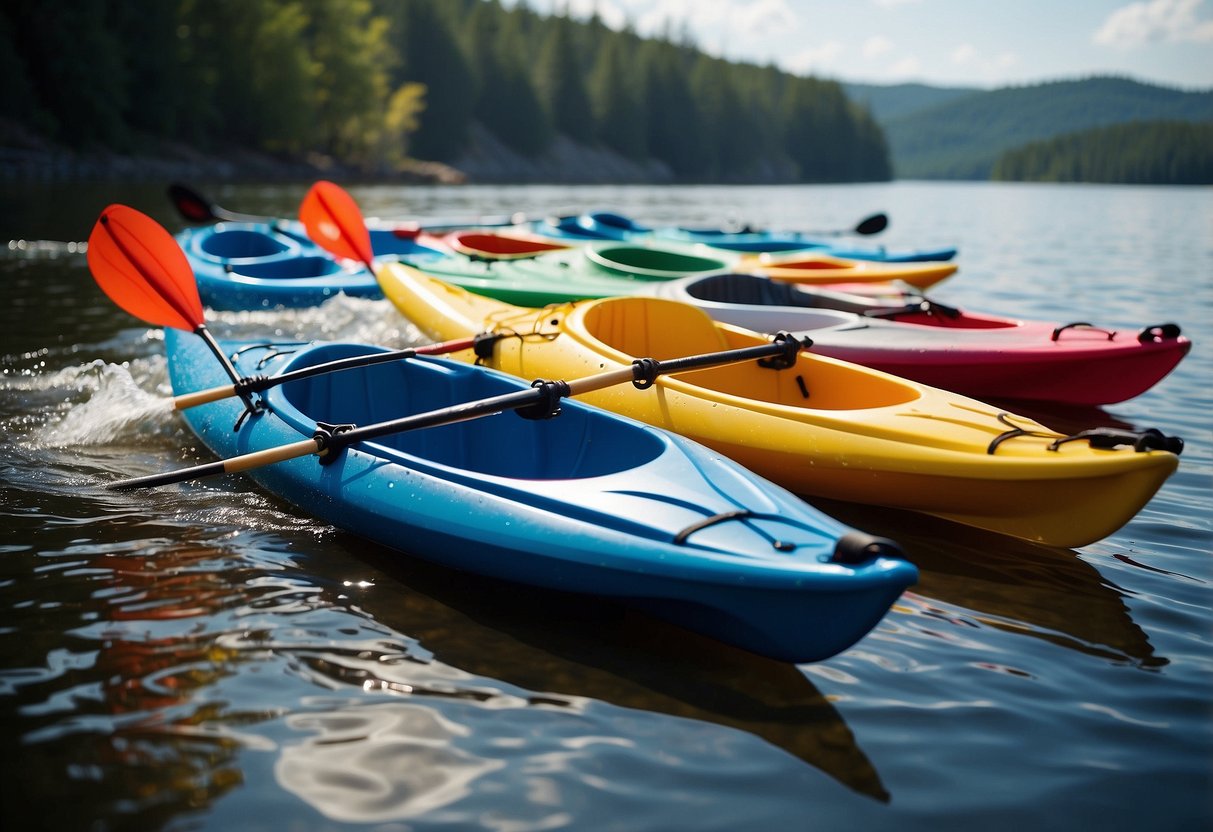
1158 332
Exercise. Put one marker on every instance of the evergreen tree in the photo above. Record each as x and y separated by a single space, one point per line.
671 115
349 49
354 79
430 55
17 97
75 67
507 103
731 143
618 112
1137 153
560 83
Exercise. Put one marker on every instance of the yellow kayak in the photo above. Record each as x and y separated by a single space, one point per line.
811 267
822 427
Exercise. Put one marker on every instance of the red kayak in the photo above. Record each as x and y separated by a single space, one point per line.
983 356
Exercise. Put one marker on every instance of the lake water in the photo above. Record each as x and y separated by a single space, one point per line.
205 657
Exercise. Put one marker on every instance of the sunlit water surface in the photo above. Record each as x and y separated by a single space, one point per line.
205 657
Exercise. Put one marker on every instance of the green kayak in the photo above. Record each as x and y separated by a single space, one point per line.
593 271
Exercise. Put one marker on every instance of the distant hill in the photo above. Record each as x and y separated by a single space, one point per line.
899 100
1137 153
940 133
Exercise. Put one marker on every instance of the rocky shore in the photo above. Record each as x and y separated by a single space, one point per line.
25 157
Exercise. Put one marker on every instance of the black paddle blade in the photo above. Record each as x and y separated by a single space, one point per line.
191 205
873 225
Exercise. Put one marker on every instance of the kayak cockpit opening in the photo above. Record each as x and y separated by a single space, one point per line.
664 329
759 290
646 262
289 268
239 243
580 442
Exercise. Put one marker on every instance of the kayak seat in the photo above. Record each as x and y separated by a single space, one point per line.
643 327
751 290
808 264
640 326
648 263
290 268
609 219
239 243
580 442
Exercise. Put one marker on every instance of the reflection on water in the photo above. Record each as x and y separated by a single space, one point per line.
378 763
621 655
204 657
1011 584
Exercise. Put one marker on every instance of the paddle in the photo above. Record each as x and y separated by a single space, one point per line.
872 225
865 228
196 208
142 269
139 265
542 396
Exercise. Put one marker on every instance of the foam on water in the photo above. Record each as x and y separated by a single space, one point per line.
116 408
343 318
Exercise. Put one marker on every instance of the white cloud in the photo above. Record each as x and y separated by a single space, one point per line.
1004 61
716 19
905 69
818 59
612 14
1152 21
876 45
964 54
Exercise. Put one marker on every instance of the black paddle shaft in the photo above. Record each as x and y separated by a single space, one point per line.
781 352
541 398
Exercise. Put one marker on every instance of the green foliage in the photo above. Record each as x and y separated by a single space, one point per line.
894 101
365 81
617 111
1139 153
17 97
349 52
507 103
429 54
75 66
670 112
559 80
729 145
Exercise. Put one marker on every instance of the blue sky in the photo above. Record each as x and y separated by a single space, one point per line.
942 42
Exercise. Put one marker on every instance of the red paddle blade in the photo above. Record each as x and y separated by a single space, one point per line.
140 266
334 222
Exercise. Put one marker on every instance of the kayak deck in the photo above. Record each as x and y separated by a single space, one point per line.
583 502
822 427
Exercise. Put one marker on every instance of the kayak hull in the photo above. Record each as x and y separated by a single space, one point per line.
603 270
585 502
816 268
604 225
822 428
265 266
976 355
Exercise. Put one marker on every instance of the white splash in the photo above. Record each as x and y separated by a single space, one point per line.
116 408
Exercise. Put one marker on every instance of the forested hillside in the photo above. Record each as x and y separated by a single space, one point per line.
889 102
1151 153
368 83
963 138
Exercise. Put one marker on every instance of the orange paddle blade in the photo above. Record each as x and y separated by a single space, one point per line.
140 266
334 222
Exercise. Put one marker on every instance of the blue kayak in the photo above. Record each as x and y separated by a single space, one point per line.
608 225
267 265
587 501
